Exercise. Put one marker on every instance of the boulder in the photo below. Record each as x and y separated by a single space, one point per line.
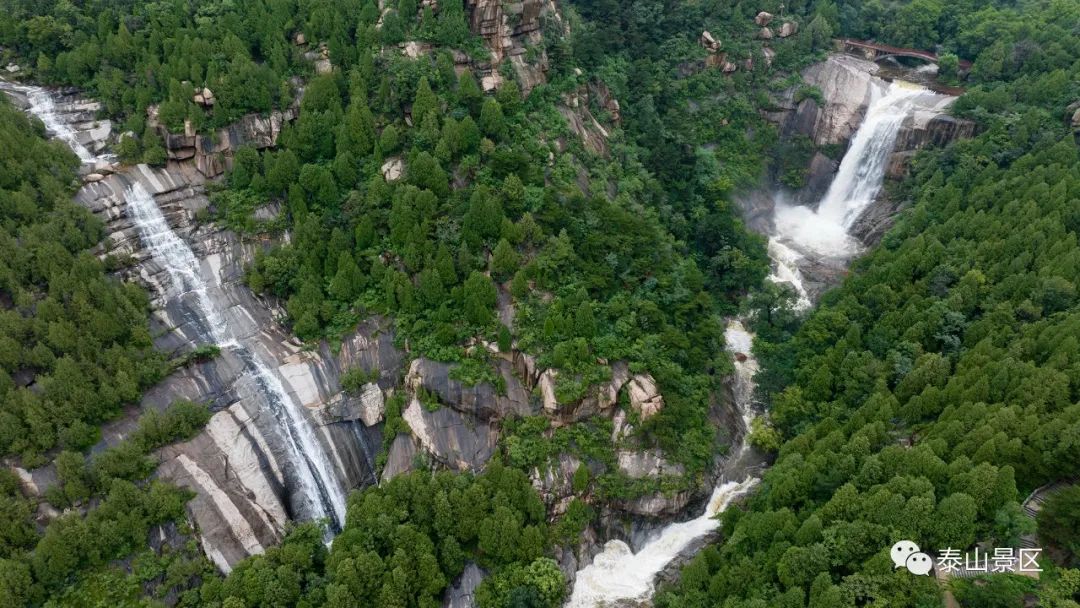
415 50
763 18
299 39
482 401
790 28
769 55
491 82
91 178
645 398
711 44
765 34
393 169
455 440
372 406
547 391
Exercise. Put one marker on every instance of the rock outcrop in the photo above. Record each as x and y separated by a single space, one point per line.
212 154
461 593
511 29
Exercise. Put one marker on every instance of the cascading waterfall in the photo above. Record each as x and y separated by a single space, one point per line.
320 492
43 106
618 576
802 231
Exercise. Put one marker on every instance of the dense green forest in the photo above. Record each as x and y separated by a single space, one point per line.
940 384
603 259
927 395
498 199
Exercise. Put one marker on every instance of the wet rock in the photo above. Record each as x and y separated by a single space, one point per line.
461 593
241 468
657 504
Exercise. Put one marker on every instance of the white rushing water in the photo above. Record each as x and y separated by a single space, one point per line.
320 491
802 231
620 577
617 575
43 106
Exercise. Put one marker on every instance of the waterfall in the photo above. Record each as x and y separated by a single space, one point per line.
320 493
618 576
43 106
862 170
801 231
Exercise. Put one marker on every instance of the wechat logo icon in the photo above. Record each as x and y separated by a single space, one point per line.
906 554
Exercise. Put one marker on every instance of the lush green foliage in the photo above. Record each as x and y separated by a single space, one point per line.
941 380
1059 524
74 344
115 508
403 542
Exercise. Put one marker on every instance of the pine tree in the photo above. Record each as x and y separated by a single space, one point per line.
492 122
480 297
424 103
504 260
469 92
348 283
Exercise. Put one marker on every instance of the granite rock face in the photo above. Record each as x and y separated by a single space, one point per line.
239 467
847 86
212 154
511 29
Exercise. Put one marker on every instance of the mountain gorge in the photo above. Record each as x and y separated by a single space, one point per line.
467 288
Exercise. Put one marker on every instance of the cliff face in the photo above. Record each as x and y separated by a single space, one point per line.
511 32
243 476
245 479
847 86
240 468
